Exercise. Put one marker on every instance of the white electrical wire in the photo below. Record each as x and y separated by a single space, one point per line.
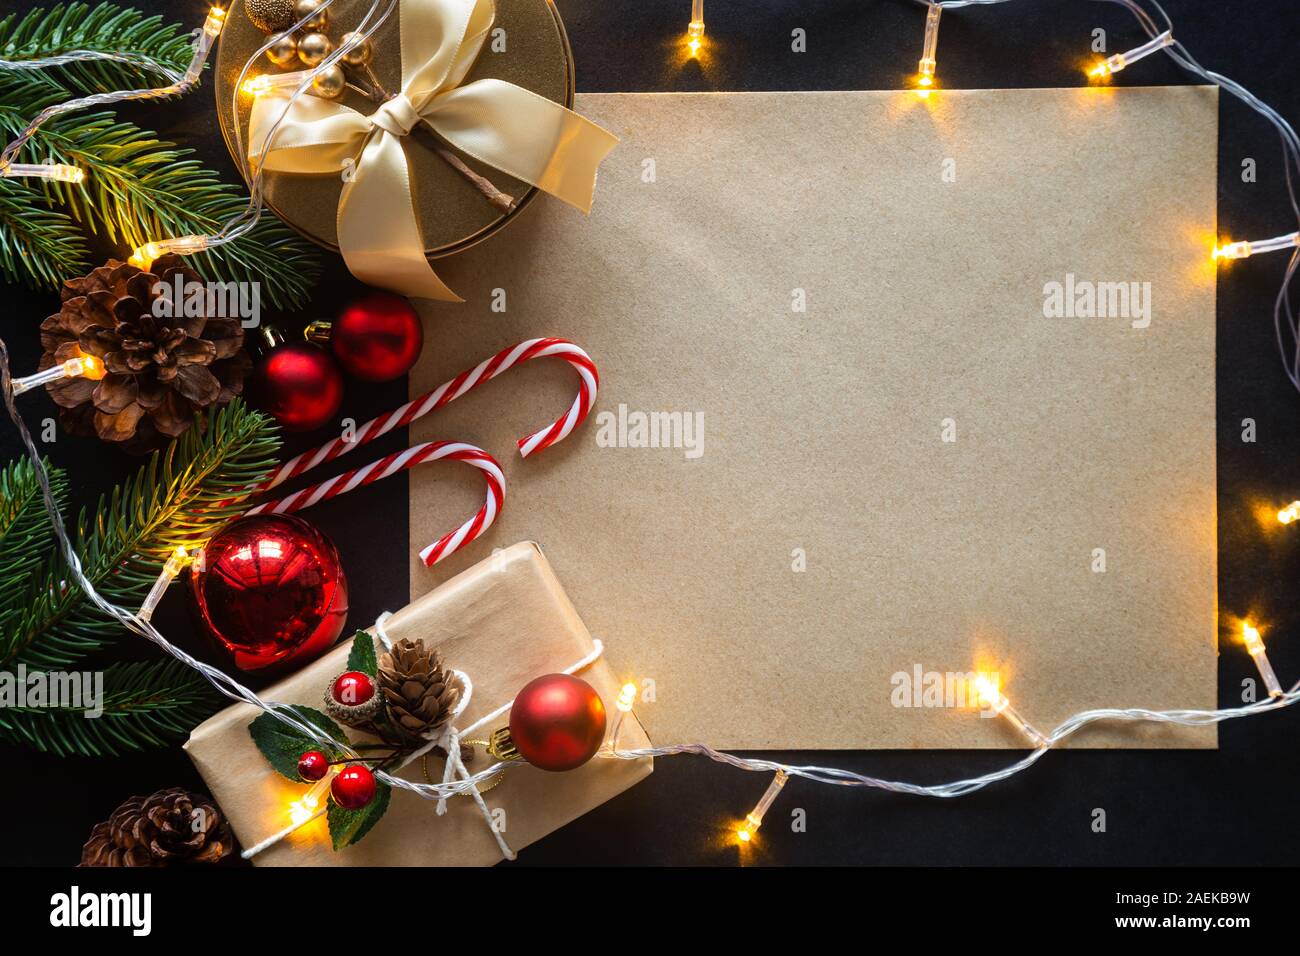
233 690
178 84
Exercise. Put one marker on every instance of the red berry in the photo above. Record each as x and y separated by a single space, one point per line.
353 688
354 787
312 765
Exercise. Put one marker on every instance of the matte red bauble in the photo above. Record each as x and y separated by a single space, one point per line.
271 590
299 385
353 688
353 788
312 766
377 338
557 722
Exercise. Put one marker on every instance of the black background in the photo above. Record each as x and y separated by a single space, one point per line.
1233 806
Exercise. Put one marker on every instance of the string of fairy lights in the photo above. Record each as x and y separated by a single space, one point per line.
986 690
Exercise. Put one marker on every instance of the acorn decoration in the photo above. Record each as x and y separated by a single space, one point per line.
352 699
270 16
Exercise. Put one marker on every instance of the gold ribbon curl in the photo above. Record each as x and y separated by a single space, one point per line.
512 129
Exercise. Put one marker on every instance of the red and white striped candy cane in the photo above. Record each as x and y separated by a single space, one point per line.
588 382
400 461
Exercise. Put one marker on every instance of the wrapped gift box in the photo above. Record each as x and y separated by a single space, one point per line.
503 621
453 215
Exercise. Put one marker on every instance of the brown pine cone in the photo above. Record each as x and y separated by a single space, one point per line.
171 827
160 372
416 689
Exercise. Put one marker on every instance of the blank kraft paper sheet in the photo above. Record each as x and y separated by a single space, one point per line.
892 390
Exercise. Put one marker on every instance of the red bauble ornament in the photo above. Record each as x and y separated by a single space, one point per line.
353 788
312 766
557 722
271 590
353 688
298 384
377 338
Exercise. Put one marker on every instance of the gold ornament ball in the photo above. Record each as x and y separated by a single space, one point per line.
329 83
360 54
314 47
283 51
270 16
320 18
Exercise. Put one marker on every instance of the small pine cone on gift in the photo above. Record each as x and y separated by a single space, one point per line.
161 371
418 691
170 827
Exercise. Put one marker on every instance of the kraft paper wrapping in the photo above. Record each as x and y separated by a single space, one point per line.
921 237
504 621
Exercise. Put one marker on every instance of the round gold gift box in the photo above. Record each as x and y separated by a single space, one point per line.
453 213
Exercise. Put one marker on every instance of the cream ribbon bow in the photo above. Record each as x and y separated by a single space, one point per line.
517 131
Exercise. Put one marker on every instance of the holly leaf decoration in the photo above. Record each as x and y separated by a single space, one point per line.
362 656
282 745
349 826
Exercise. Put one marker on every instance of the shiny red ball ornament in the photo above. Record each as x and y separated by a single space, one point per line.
378 337
353 688
557 722
353 788
312 766
270 589
299 385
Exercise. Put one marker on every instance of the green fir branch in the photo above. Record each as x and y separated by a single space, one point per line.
107 28
179 498
26 534
144 705
140 188
39 246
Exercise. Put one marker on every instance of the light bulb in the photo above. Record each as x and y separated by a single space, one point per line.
925 69
55 172
308 806
626 697
1255 647
269 83
1119 61
215 21
1243 250
695 29
82 366
174 565
1289 513
144 256
990 695
754 819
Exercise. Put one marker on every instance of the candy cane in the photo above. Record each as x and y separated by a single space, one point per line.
588 382
400 461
